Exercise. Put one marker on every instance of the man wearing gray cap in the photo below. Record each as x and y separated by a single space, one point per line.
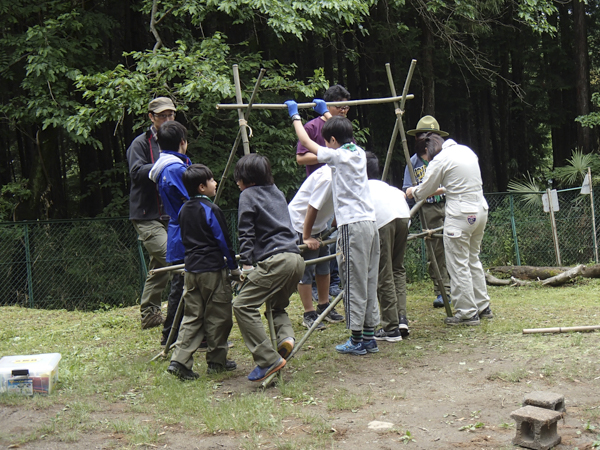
434 208
146 215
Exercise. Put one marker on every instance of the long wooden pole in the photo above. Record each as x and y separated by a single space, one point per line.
561 329
368 101
553 225
399 111
242 120
593 214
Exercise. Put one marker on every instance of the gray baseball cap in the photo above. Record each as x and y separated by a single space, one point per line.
161 104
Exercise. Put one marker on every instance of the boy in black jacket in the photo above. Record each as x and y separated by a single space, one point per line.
267 240
207 292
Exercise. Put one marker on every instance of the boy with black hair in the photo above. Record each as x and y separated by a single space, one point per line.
167 173
207 294
393 219
358 239
266 239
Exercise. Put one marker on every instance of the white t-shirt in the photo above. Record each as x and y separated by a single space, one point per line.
351 195
389 201
316 192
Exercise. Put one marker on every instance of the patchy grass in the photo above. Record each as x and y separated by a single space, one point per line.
107 384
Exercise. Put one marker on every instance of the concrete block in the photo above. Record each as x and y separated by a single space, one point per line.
536 427
547 400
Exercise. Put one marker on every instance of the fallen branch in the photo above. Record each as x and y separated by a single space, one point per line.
564 277
560 329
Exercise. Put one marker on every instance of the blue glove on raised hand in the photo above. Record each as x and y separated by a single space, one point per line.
320 107
292 107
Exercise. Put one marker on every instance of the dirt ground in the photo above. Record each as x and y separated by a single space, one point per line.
433 396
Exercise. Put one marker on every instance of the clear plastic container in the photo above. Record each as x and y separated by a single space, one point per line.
29 374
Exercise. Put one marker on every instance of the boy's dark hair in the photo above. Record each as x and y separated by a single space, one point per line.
340 128
373 171
430 143
170 134
194 176
253 169
336 93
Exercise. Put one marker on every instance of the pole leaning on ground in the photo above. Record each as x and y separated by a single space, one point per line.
434 264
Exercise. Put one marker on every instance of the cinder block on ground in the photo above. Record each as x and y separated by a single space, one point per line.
547 400
536 427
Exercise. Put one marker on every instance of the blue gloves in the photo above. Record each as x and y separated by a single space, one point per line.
320 107
292 107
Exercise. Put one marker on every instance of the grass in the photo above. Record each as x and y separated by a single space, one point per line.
108 386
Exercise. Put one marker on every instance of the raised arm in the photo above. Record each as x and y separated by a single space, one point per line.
303 137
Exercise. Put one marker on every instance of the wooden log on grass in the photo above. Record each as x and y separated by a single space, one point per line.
561 329
564 277
529 272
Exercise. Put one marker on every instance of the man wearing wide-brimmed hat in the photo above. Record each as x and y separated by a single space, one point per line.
433 209
145 212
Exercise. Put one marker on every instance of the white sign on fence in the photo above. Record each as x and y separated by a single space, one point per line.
554 196
585 187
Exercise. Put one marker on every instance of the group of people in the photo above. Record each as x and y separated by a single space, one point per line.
172 211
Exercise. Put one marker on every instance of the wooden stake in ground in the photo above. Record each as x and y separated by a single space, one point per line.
238 96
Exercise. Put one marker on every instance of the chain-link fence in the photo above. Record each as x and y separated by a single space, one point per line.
96 263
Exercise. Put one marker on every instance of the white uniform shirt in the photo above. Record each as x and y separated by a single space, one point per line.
389 201
456 167
316 192
351 195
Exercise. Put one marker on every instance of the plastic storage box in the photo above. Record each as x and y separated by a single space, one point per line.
29 374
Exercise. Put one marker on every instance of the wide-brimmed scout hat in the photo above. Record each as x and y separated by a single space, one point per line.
161 104
427 124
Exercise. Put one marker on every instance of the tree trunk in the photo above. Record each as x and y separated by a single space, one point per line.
582 72
427 69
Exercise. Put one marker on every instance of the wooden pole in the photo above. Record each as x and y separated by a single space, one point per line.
368 101
593 214
561 329
553 225
242 120
399 111
238 138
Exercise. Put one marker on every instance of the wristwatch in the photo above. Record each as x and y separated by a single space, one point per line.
296 117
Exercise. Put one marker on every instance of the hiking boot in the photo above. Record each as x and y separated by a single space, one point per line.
390 336
486 313
351 348
218 368
332 317
285 347
260 373
370 345
403 326
455 320
438 302
334 290
182 372
309 319
152 319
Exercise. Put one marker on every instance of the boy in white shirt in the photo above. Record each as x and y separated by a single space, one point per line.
393 219
310 210
358 239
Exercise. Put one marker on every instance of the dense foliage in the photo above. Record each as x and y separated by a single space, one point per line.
506 77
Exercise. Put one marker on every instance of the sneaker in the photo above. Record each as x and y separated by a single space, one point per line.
285 347
182 372
152 319
218 368
370 346
403 326
390 336
315 294
334 290
259 373
454 320
332 317
351 348
309 319
486 313
438 302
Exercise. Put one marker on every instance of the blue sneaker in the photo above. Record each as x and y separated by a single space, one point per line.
438 302
315 294
260 373
371 346
350 348
334 290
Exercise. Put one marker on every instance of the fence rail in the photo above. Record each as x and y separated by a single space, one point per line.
90 264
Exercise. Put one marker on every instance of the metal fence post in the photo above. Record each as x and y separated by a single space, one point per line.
514 228
28 264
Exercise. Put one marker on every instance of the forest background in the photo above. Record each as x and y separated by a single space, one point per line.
516 80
